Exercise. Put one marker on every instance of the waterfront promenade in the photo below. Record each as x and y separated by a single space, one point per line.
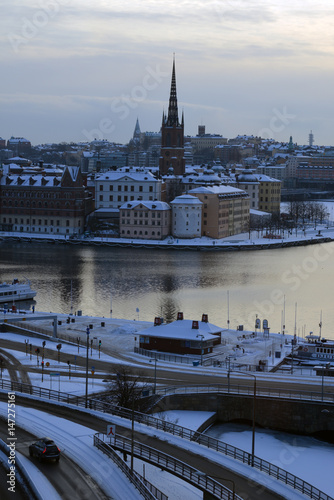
243 241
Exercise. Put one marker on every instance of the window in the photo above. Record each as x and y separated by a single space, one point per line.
140 189
151 189
101 187
132 188
119 198
111 198
125 188
101 197
67 223
111 187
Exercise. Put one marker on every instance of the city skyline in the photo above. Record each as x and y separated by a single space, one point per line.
73 71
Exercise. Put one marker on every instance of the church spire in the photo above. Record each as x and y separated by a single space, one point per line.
173 115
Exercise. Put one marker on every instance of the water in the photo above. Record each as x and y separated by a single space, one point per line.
141 284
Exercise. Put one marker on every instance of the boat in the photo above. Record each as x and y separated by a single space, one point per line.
315 349
15 291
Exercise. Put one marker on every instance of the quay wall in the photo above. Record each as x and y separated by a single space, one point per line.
287 415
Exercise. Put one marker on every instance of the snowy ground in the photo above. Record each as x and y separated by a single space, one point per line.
77 442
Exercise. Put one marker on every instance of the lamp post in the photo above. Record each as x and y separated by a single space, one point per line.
202 337
155 373
254 406
87 355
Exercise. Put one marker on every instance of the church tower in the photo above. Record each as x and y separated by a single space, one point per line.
172 136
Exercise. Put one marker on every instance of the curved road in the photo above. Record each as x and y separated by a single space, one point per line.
245 487
71 482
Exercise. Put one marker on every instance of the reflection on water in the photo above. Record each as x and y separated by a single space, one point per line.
161 283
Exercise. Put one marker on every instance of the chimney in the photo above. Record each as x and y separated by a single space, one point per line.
195 325
179 315
157 321
205 318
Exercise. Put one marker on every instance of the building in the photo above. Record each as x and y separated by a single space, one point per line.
114 188
149 220
19 145
186 216
249 183
182 336
269 194
52 202
172 136
225 210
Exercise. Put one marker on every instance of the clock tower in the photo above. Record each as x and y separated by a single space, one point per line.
172 136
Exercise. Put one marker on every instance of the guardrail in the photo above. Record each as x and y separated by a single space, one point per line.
219 446
168 463
271 392
146 489
21 476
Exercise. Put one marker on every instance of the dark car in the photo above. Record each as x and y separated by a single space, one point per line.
45 449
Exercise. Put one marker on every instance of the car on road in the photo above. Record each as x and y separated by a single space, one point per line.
45 449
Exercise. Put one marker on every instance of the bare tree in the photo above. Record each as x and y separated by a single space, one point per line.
126 388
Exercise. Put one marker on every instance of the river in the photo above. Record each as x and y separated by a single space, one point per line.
292 283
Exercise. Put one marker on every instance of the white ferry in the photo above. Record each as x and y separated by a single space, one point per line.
17 290
315 349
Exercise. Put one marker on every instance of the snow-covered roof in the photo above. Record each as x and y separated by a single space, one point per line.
134 176
266 178
222 189
150 205
186 199
182 329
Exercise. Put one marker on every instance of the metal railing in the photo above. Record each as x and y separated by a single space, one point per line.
177 430
168 463
146 489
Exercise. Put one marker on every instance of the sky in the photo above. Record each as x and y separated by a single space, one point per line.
75 70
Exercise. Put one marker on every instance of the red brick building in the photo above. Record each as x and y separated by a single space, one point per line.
183 336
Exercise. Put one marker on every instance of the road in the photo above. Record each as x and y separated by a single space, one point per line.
245 487
170 376
71 482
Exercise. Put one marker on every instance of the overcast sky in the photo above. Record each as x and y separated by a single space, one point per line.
72 70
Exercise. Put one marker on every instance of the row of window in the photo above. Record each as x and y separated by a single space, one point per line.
141 233
37 194
140 222
126 188
34 222
119 198
39 204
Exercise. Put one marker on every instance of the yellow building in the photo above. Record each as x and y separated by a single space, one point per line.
225 210
269 194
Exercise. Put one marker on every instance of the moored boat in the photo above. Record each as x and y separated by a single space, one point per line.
315 349
15 291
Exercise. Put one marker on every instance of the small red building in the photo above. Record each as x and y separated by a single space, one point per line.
183 336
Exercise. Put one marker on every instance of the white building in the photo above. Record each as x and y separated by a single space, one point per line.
186 216
113 189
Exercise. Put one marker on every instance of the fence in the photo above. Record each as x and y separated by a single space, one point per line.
177 430
170 464
146 489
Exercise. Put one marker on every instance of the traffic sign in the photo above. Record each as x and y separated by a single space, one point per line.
111 430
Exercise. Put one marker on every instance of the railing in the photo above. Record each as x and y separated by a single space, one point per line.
271 392
177 430
146 489
168 463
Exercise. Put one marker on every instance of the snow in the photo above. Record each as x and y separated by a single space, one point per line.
43 486
303 456
76 441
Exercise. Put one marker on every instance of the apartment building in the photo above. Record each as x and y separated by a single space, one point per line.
113 189
225 210
41 201
149 220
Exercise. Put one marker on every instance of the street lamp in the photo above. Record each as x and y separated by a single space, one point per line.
87 355
254 406
155 373
202 337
